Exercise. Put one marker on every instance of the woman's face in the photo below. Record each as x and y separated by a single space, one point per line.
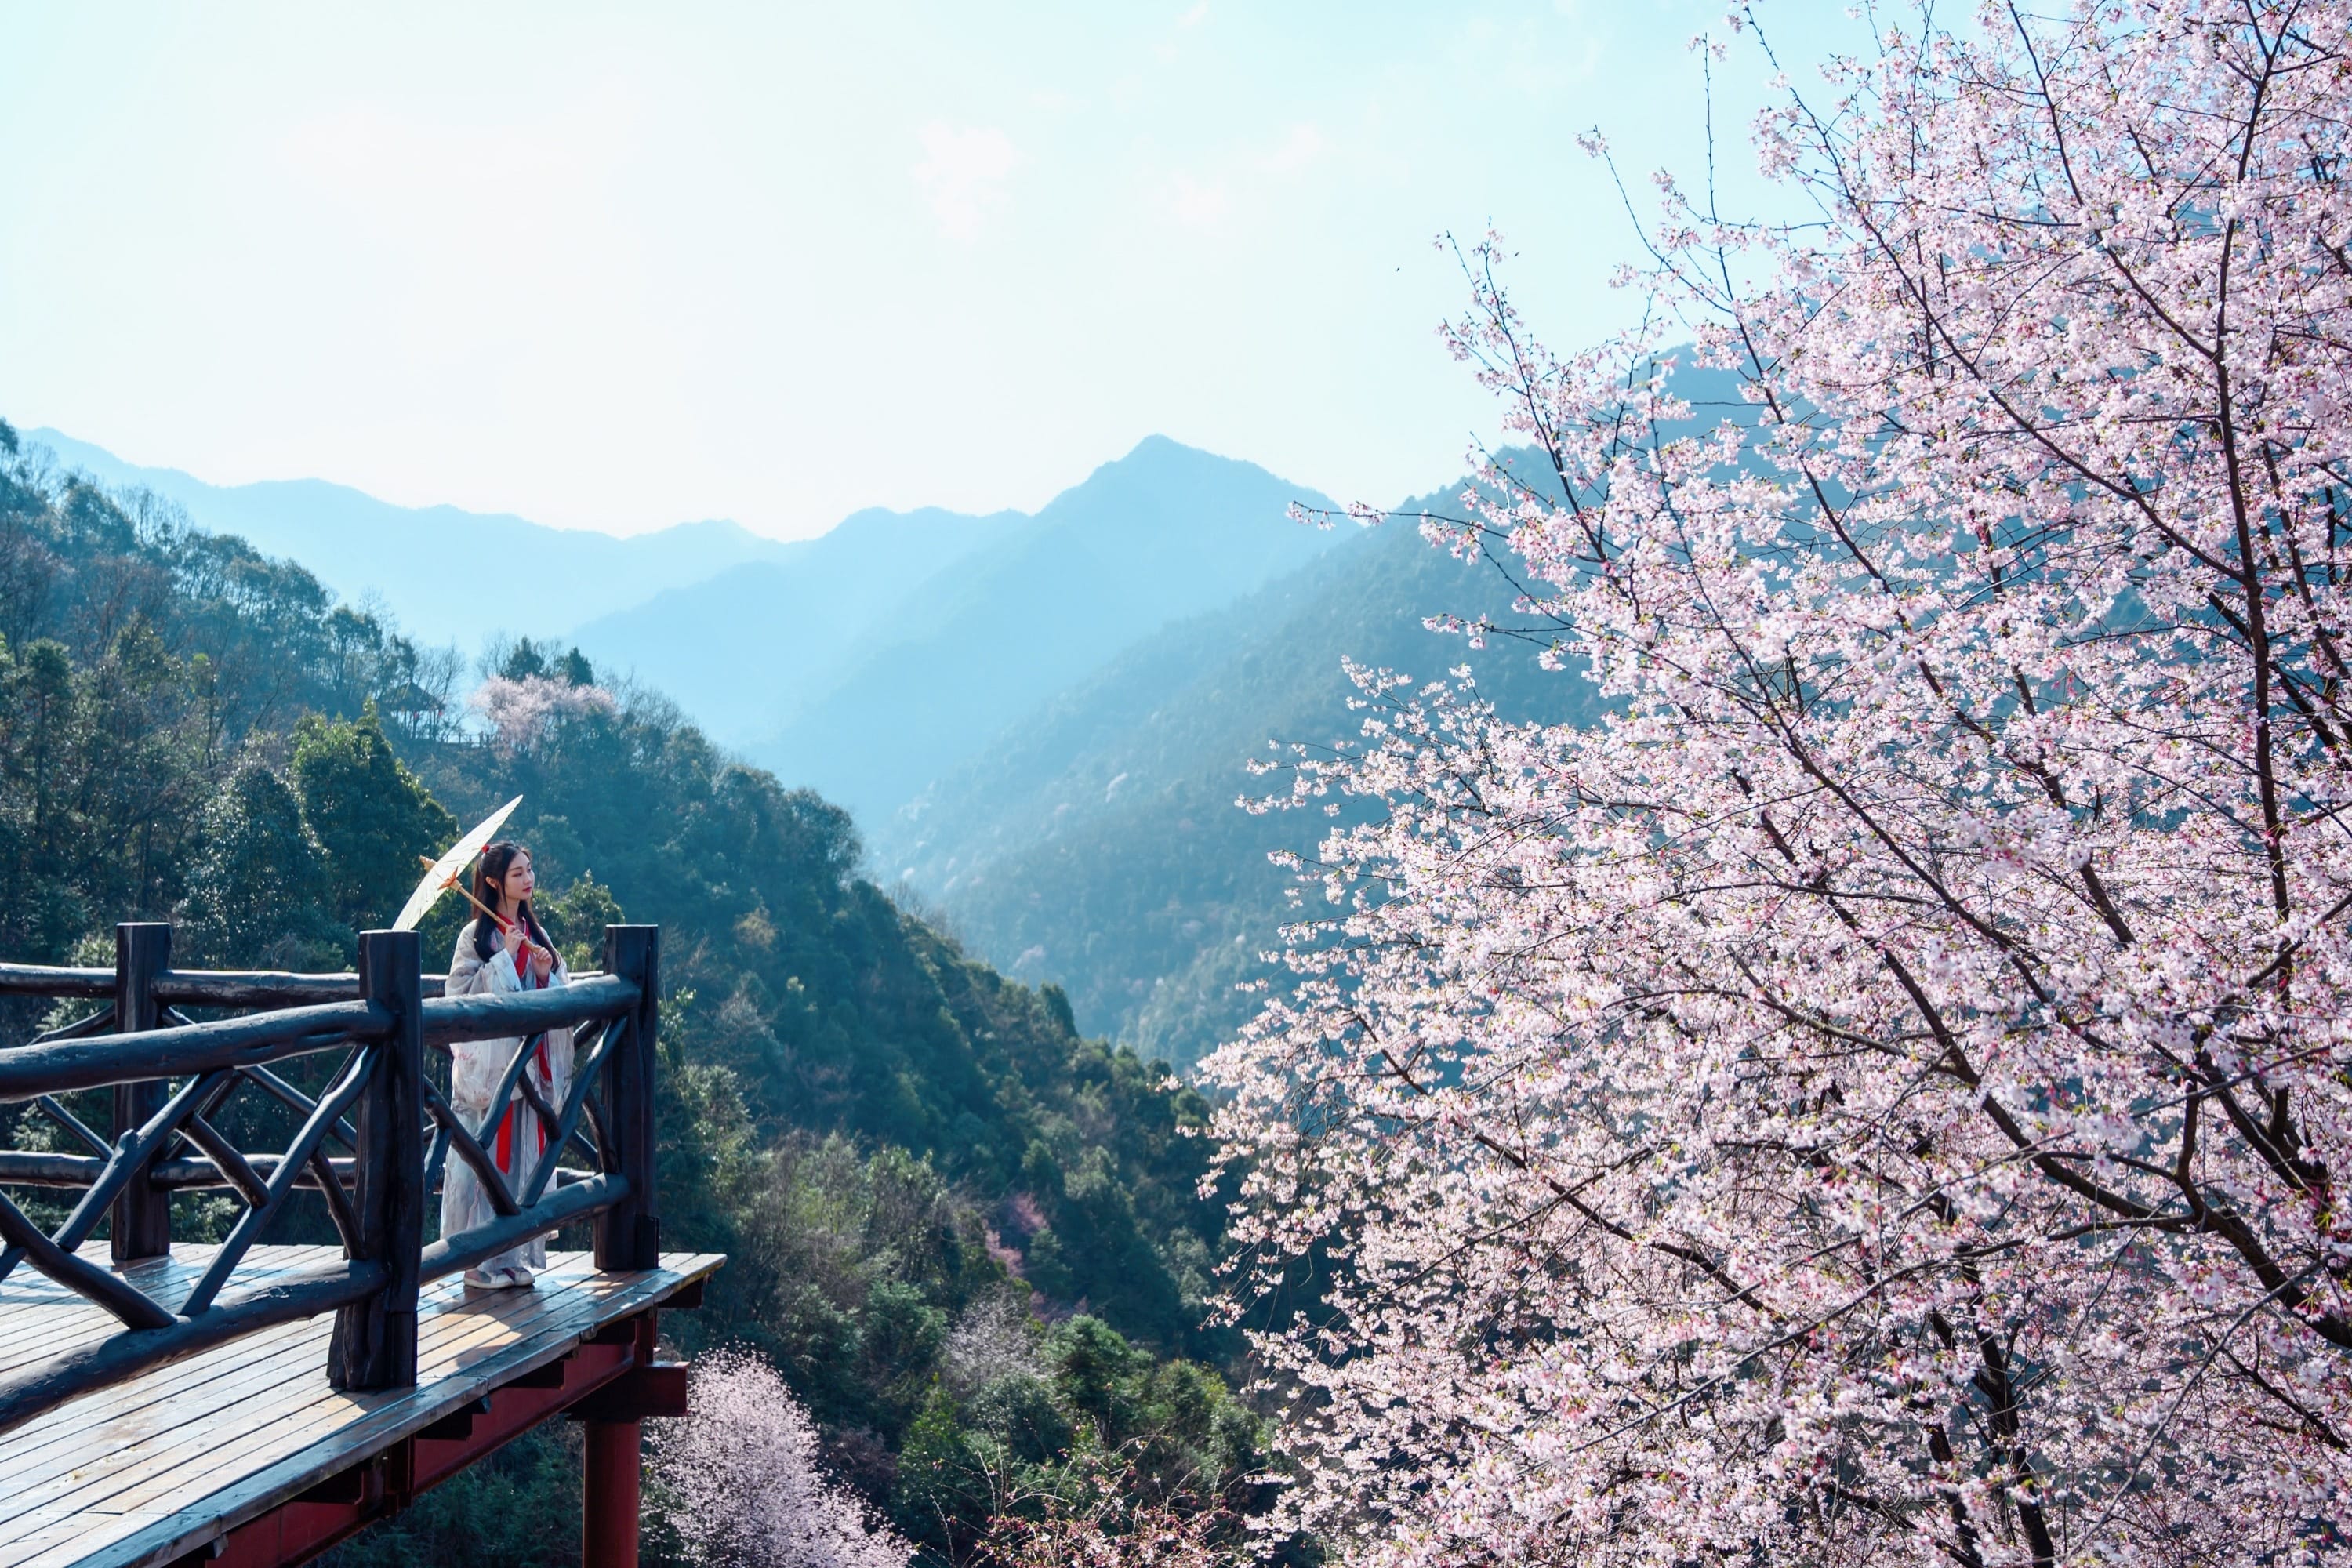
517 885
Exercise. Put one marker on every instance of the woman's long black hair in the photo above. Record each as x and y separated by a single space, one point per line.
489 872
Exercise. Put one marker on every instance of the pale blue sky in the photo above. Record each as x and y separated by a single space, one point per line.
619 265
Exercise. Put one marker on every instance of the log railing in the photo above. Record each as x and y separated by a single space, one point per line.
170 1078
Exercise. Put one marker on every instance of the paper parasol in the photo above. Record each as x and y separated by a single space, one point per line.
437 881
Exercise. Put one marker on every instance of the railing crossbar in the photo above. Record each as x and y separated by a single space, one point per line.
583 1085
480 1016
129 1162
46 980
80 1028
502 1104
293 1098
61 1264
50 1107
249 1224
26 1392
571 1201
439 1153
533 1098
454 1137
516 1080
321 1171
228 1159
596 1108
77 1172
568 1121
62 1066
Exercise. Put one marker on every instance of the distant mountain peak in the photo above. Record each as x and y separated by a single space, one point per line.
1160 476
1156 450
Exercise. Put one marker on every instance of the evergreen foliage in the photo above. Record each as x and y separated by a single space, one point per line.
260 891
371 815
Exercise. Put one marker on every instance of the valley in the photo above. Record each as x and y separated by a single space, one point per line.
1041 724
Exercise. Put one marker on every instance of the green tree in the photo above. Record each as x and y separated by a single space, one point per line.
945 1491
142 778
576 919
260 893
372 816
47 700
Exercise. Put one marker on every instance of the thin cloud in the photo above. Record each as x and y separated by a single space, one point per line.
1197 203
963 174
1303 146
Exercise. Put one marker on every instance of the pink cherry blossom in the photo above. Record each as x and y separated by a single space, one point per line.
741 1485
1873 1094
523 712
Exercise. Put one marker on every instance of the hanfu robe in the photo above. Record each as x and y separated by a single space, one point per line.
519 1142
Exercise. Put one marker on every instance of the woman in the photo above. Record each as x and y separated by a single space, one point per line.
509 954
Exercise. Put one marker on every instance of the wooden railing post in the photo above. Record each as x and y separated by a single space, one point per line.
628 1236
141 1217
374 1343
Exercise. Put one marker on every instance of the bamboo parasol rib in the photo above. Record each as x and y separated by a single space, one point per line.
442 875
463 893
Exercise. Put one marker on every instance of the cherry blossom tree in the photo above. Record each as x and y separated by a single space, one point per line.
742 1486
523 712
1876 1095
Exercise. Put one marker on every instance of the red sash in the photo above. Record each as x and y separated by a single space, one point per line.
538 1044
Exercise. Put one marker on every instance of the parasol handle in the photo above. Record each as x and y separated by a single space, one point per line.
467 893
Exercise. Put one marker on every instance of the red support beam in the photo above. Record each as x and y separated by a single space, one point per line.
340 1506
612 1469
608 1515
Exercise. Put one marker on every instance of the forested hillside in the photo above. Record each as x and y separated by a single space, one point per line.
1098 840
970 1238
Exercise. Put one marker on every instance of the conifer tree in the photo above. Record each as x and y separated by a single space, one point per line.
260 894
372 816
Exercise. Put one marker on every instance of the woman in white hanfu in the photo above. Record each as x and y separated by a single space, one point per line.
505 957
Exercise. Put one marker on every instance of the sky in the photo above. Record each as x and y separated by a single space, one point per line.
624 265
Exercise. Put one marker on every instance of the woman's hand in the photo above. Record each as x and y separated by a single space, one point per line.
542 963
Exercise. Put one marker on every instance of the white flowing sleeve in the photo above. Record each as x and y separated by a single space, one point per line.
469 974
465 969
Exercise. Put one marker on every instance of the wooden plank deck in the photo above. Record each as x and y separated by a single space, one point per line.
149 1470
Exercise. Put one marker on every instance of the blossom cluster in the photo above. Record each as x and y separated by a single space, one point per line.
741 1485
522 712
1875 1094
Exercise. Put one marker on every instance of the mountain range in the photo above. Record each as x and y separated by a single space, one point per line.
1098 841
1040 721
1163 533
412 558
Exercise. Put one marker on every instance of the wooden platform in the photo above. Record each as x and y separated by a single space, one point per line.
202 1458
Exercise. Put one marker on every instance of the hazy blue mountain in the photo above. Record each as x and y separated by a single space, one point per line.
1165 533
744 651
359 545
1096 841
